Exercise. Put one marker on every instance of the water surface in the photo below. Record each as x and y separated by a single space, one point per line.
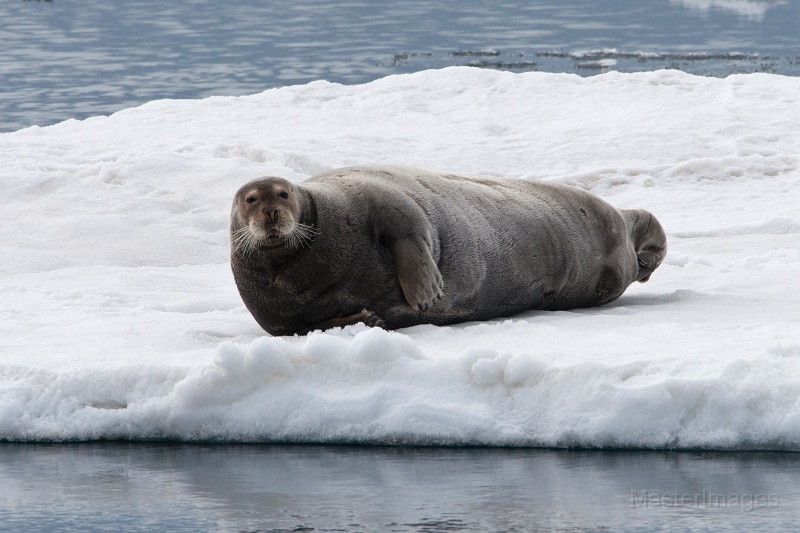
77 58
162 487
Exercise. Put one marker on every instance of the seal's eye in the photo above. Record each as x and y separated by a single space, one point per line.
250 199
283 195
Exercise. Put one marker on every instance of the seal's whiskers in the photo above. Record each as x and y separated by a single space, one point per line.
244 241
300 235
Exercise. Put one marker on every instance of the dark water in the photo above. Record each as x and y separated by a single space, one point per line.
141 487
76 58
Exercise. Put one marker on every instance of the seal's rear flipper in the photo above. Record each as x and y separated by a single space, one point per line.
648 262
649 241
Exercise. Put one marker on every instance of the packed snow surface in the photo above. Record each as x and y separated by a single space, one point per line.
120 318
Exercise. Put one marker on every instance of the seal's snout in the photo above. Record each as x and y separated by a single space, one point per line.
271 214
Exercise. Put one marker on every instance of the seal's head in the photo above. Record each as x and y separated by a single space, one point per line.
266 213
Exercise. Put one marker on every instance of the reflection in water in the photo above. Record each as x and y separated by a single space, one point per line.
117 486
77 59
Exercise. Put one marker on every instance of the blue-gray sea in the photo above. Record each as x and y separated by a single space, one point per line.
66 59
78 58
263 488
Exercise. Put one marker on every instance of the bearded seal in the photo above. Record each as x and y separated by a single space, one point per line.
399 246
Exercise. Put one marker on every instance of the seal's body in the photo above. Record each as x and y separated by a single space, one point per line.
400 246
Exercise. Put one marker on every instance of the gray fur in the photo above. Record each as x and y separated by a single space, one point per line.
400 246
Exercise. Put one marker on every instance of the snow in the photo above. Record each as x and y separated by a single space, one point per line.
120 318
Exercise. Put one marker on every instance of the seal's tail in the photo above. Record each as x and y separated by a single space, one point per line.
649 241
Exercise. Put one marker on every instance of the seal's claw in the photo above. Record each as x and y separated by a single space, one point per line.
371 319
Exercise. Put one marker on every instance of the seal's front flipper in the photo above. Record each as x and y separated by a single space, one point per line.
370 319
417 272
367 317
